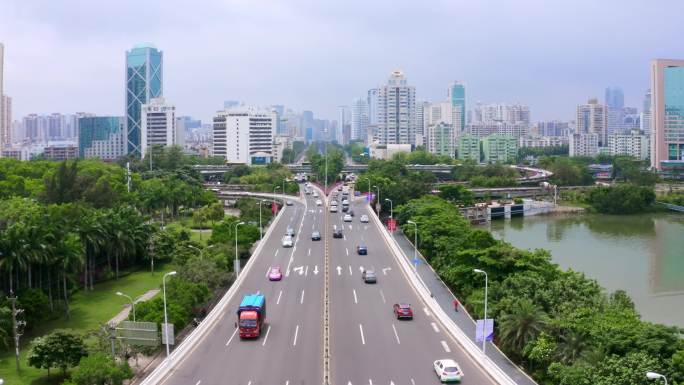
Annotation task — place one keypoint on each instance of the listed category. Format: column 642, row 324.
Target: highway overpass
column 356, row 340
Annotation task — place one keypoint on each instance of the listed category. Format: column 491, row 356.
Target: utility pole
column 128, row 176
column 15, row 325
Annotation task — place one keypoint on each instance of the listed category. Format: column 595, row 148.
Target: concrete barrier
column 468, row 345
column 160, row 372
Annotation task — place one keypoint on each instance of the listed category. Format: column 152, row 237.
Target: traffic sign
column 488, row 329
column 138, row 333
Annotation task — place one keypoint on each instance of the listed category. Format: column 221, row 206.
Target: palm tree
column 573, row 344
column 92, row 236
column 521, row 325
column 70, row 252
column 14, row 250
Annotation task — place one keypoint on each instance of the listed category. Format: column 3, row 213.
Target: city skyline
column 520, row 55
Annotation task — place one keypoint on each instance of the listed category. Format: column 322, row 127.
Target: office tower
column 645, row 117
column 56, row 126
column 35, row 127
column 500, row 149
column 420, row 122
column 396, row 111
column 157, row 125
column 583, row 144
column 667, row 114
column 144, row 81
column 592, row 118
column 553, row 128
column 372, row 101
column 439, row 139
column 245, row 135
column 101, row 137
column 457, row 98
column 614, row 102
column 502, row 112
column 280, row 112
column 359, row 119
column 343, row 119
column 308, row 125
column 5, row 106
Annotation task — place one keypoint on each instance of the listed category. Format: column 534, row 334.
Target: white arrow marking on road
column 355, row 299
column 360, row 269
column 385, row 270
column 413, row 382
column 350, row 270
column 315, row 270
column 391, row 382
column 299, row 269
column 198, row 382
column 446, row 347
column 370, row 382
column 339, row 270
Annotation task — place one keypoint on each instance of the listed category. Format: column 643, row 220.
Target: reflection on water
column 642, row 254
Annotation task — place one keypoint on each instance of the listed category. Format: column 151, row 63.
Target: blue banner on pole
column 370, row 197
column 486, row 327
column 416, row 261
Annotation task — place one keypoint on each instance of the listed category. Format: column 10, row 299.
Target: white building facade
column 245, row 135
column 592, row 118
column 158, row 125
column 635, row 145
column 397, row 111
column 583, row 144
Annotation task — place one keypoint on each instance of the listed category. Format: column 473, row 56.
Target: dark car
column 403, row 310
column 350, row 212
column 362, row 250
column 316, row 236
column 337, row 233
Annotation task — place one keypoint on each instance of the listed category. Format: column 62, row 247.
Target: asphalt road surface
column 368, row 345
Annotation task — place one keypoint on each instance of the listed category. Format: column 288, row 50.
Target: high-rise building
column 144, row 81
column 667, row 113
column 645, row 117
column 583, row 144
column 245, row 135
column 553, row 128
column 457, row 99
column 614, row 102
column 372, row 101
column 344, row 119
column 5, row 106
column 502, row 112
column 396, row 111
column 101, row 137
column 469, row 148
column 359, row 119
column 544, row 141
column 420, row 123
column 484, row 129
column 500, row 149
column 439, row 139
column 592, row 118
column 158, row 125
column 633, row 144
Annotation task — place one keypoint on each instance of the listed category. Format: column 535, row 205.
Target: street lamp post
column 261, row 229
column 274, row 190
column 656, row 376
column 201, row 251
column 369, row 192
column 378, row 198
column 391, row 208
column 166, row 318
column 237, row 262
column 130, row 299
column 484, row 339
column 415, row 245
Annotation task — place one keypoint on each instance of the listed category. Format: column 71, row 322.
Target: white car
column 347, row 218
column 287, row 241
column 333, row 209
column 448, row 370
column 315, row 194
column 319, row 202
column 364, row 218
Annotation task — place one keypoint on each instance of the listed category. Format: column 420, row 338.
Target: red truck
column 251, row 315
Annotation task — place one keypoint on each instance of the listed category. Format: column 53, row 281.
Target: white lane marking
column 363, row 340
column 266, row 337
column 294, row 343
column 268, row 271
column 370, row 382
column 301, row 300
column 427, row 313
column 276, row 253
column 347, row 251
column 396, row 335
column 198, row 382
column 306, row 271
column 249, row 383
column 434, row 326
column 383, row 296
column 308, row 252
column 350, row 270
column 446, row 347
column 355, row 299
column 231, row 337
column 313, row 225
column 287, row 382
column 279, row 295
column 315, row 271
column 339, row 270
column 350, row 227
column 360, row 269
column 345, row 237
column 413, row 382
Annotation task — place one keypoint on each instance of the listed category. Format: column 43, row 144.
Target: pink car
column 275, row 274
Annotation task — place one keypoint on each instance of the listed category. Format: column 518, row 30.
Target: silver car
column 369, row 276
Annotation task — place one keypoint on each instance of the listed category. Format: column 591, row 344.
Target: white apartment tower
column 158, row 125
column 396, row 111
column 592, row 118
column 5, row 106
column 359, row 119
column 583, row 144
column 245, row 135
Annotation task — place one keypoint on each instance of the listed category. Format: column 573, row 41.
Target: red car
column 275, row 274
column 403, row 310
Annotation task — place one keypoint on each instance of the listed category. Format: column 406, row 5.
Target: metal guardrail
column 672, row 207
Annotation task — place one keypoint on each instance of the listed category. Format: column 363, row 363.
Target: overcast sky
column 68, row 55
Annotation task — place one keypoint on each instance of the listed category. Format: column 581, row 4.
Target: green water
column 641, row 254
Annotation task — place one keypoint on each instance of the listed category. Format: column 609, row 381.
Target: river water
column 641, row 254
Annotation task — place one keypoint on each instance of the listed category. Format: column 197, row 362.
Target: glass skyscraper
column 144, row 81
column 667, row 85
column 457, row 99
column 101, row 137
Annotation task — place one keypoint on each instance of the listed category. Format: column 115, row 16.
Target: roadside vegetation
column 72, row 235
column 562, row 327
column 268, row 178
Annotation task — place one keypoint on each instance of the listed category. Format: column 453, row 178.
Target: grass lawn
column 89, row 310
